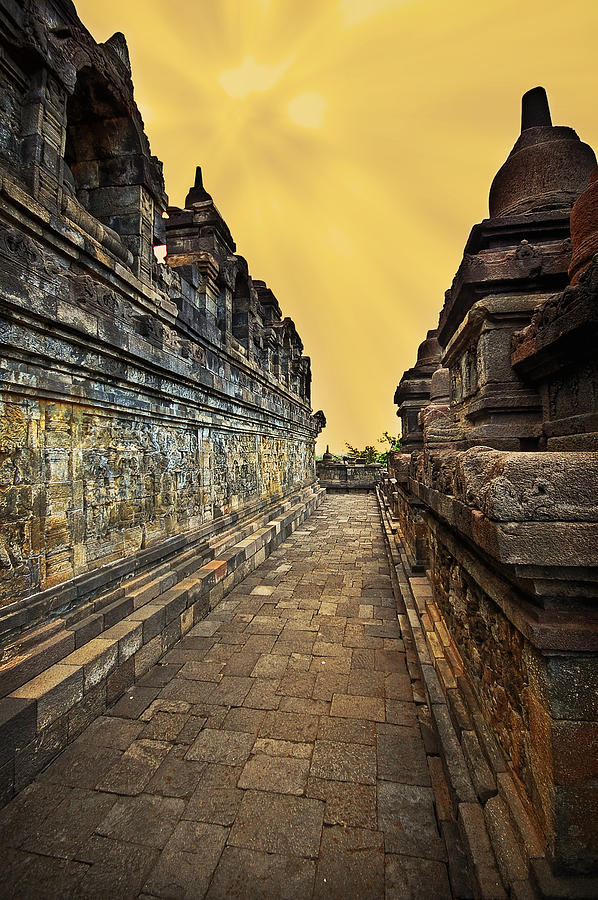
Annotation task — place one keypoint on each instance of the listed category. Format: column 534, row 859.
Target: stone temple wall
column 496, row 498
column 156, row 435
column 348, row 475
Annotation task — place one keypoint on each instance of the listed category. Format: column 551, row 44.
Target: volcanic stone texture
column 276, row 751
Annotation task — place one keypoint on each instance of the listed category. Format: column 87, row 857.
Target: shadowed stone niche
column 496, row 499
column 156, row 435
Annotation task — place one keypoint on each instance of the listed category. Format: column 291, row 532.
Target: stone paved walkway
column 276, row 752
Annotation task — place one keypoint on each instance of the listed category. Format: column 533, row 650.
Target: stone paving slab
column 275, row 752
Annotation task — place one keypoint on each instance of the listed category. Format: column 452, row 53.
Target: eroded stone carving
column 497, row 494
column 142, row 400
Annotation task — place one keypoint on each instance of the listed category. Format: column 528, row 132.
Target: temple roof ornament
column 198, row 193
column 548, row 167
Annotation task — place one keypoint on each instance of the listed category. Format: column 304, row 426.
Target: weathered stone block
column 87, row 629
column 148, row 655
column 33, row 758
column 18, row 726
column 129, row 636
column 186, row 620
column 171, row 634
column 117, row 611
column 174, row 602
column 97, row 658
column 120, row 680
column 27, row 665
column 152, row 619
column 56, row 691
column 84, row 713
column 519, row 487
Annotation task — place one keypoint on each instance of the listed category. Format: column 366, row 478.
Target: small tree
column 370, row 455
column 394, row 443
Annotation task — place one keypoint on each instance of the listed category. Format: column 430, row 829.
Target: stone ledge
column 497, row 819
column 513, row 486
column 69, row 238
column 466, row 807
column 563, row 328
column 126, row 575
column 52, row 707
column 338, row 487
column 546, row 629
column 531, row 543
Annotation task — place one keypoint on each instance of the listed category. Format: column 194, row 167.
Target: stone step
column 458, row 867
column 488, row 743
column 476, row 843
column 29, row 661
column 76, row 597
column 520, row 816
column 511, row 864
column 481, row 774
column 131, row 585
column 458, row 711
column 29, row 639
column 48, row 682
column 188, row 562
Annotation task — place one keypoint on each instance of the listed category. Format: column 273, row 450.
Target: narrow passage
column 275, row 752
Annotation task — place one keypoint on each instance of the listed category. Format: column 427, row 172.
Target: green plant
column 394, row 444
column 370, row 455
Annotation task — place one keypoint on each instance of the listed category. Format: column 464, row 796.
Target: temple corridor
column 281, row 749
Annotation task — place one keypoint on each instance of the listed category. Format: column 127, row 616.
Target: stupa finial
column 198, row 193
column 535, row 110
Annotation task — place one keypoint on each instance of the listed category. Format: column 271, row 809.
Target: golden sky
column 350, row 145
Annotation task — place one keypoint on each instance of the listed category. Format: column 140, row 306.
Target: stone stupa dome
column 548, row 167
